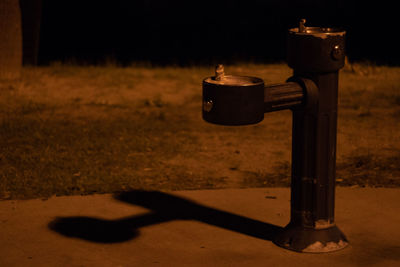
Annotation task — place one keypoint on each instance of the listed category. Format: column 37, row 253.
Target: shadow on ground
column 164, row 207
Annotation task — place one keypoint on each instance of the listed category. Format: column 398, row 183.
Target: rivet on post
column 337, row 52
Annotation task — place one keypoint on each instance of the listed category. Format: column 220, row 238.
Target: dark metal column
column 316, row 54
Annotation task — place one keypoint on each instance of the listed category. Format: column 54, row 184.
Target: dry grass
column 78, row 130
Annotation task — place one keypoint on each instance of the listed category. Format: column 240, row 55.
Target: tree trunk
column 10, row 40
column 31, row 12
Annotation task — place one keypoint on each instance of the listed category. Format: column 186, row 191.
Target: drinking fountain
column 315, row 54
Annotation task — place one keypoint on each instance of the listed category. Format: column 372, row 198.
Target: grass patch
column 42, row 157
column 80, row 130
column 278, row 177
column 369, row 170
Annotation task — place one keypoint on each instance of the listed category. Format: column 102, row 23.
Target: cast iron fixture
column 315, row 54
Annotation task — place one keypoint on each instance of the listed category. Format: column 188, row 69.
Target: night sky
column 205, row 32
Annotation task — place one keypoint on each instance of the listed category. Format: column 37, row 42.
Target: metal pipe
column 282, row 96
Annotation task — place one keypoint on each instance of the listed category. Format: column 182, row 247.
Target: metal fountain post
column 315, row 54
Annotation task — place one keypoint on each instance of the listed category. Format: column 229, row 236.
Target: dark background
column 206, row 32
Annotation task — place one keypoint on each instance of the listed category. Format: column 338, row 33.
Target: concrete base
column 232, row 227
column 311, row 240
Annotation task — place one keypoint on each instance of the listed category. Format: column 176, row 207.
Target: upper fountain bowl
column 318, row 31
